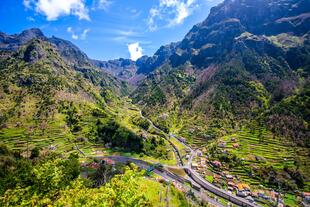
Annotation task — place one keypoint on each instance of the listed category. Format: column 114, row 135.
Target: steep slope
column 244, row 73
column 50, row 101
column 124, row 69
column 239, row 70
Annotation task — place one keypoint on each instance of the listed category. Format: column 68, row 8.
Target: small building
column 199, row 153
column 187, row 150
column 203, row 162
column 236, row 145
column 232, row 139
column 52, row 147
column 254, row 194
column 274, row 195
column 306, row 197
column 243, row 187
column 216, row 177
column 195, row 165
column 229, row 177
column 108, row 161
column 222, row 144
column 187, row 157
column 242, row 194
column 217, row 164
column 231, row 184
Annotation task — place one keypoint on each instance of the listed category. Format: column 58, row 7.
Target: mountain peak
column 13, row 42
column 32, row 33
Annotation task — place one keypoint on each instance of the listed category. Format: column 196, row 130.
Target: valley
column 220, row 118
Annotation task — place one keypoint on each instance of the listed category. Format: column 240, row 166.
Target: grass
column 272, row 151
column 179, row 172
column 157, row 193
column 209, row 178
column 290, row 200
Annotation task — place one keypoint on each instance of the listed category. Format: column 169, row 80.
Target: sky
column 107, row 29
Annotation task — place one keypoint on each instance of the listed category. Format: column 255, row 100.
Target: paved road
column 197, row 178
column 166, row 175
column 175, row 149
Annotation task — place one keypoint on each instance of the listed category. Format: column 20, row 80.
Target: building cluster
column 215, row 169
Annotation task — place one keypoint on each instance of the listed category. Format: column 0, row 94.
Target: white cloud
column 27, row 4
column 135, row 51
column 53, row 9
column 75, row 36
column 101, row 4
column 84, row 34
column 69, row 29
column 169, row 13
column 153, row 14
column 31, row 19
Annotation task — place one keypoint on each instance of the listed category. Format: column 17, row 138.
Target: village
column 216, row 173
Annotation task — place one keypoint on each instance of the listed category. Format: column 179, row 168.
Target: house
column 243, row 187
column 199, row 153
column 187, row 157
column 195, row 165
column 274, row 195
column 108, row 161
column 232, row 139
column 187, row 150
column 222, row 144
column 216, row 177
column 217, row 164
column 203, row 162
column 231, row 184
column 229, row 177
column 306, row 197
column 254, row 194
column 52, row 147
column 242, row 193
column 236, row 145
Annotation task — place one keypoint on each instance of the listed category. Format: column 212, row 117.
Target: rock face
column 13, row 42
column 71, row 53
column 246, row 60
column 121, row 68
column 208, row 41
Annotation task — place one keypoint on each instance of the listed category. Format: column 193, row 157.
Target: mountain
column 227, row 65
column 124, row 69
column 243, row 73
column 13, row 42
column 52, row 96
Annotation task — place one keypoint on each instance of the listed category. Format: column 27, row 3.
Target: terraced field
column 259, row 147
column 56, row 133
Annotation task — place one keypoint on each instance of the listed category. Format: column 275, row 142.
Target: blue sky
column 107, row 29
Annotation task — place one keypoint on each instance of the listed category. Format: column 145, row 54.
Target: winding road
column 196, row 177
column 193, row 177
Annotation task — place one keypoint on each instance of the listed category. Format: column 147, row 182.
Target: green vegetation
column 261, row 158
column 54, row 180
